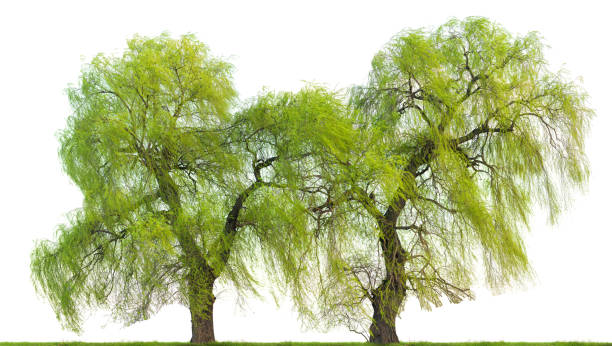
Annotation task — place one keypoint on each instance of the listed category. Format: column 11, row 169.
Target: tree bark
column 202, row 327
column 388, row 297
column 387, row 300
column 201, row 280
column 382, row 329
column 201, row 301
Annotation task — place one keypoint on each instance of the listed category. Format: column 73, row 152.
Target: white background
column 280, row 44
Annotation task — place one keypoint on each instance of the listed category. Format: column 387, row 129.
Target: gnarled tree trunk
column 386, row 303
column 388, row 297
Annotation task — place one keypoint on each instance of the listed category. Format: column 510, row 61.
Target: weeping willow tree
column 144, row 146
column 178, row 192
column 464, row 130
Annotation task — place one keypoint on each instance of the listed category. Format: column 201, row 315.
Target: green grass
column 485, row 343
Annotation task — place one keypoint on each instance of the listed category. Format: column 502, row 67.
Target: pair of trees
column 358, row 204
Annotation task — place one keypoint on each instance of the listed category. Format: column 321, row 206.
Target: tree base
column 382, row 333
column 202, row 329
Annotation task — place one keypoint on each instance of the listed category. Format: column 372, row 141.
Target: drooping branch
column 484, row 128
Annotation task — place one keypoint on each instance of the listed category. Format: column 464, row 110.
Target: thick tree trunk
column 381, row 331
column 201, row 302
column 386, row 303
column 201, row 277
column 202, row 327
column 388, row 297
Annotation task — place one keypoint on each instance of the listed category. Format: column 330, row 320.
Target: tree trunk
column 202, row 327
column 201, row 301
column 386, row 302
column 381, row 331
column 201, row 277
column 388, row 297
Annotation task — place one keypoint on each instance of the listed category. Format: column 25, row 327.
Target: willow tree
column 168, row 175
column 464, row 131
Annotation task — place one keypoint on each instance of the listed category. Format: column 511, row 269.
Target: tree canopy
column 465, row 131
column 402, row 188
column 141, row 145
column 180, row 189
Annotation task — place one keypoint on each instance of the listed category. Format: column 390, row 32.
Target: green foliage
column 304, row 133
column 178, row 191
column 465, row 131
column 429, row 172
column 142, row 142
